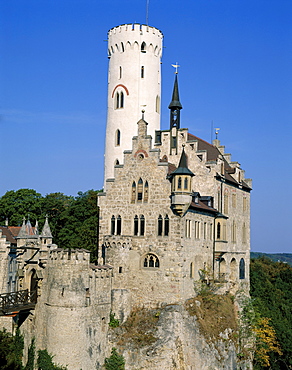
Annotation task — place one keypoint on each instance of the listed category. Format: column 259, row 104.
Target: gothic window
column 222, row 268
column 160, row 220
column 122, row 100
column 218, row 230
column 151, row 260
column 117, row 100
column 166, row 225
column 242, row 269
column 146, row 191
column 142, row 72
column 233, row 269
column 118, row 137
column 119, row 225
column 136, row 225
column 113, row 224
column 143, row 47
column 142, row 225
column 179, row 183
column 140, row 190
column 133, row 195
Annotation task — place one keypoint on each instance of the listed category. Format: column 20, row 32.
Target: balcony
column 12, row 303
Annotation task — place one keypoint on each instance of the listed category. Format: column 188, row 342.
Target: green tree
column 15, row 205
column 45, row 361
column 11, row 350
column 115, row 361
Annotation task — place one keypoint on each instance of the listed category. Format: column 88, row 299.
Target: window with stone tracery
column 151, row 260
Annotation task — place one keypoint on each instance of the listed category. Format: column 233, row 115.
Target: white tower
column 134, row 84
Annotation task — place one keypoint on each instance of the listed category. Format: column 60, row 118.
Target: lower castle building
column 174, row 210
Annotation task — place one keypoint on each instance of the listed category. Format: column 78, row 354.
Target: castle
column 175, row 209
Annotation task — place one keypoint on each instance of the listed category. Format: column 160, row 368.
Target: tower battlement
column 67, row 255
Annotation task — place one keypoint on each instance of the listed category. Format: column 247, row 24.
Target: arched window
column 143, row 47
column 218, row 230
column 119, row 225
column 222, row 268
column 136, row 225
column 186, row 183
column 151, row 260
column 160, row 220
column 122, row 100
column 133, row 194
column 242, row 269
column 118, row 137
column 117, row 100
column 140, row 190
column 146, row 191
column 179, row 183
column 142, row 225
column 142, row 72
column 117, row 162
column 233, row 269
column 121, row 72
column 113, row 224
column 166, row 225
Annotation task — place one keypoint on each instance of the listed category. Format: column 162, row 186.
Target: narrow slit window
column 113, row 224
column 136, row 225
column 142, row 72
column 143, row 47
column 146, row 188
column 122, row 100
column 160, row 225
column 117, row 100
column 133, row 195
column 121, row 72
column 118, row 137
column 166, row 225
column 218, row 230
column 119, row 225
column 142, row 225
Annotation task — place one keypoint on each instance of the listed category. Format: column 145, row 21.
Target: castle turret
column 181, row 195
column 134, row 84
column 175, row 107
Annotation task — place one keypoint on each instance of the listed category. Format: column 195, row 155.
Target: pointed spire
column 36, row 228
column 22, row 231
column 183, row 166
column 175, row 103
column 46, row 229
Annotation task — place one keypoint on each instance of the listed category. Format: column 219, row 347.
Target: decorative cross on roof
column 176, row 67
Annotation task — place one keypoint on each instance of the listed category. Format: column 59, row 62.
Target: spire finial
column 176, row 67
column 143, row 111
column 217, row 132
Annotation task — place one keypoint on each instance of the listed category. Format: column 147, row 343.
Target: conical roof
column 175, row 103
column 46, row 229
column 183, row 167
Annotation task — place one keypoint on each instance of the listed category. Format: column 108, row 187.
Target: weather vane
column 176, row 67
column 217, row 132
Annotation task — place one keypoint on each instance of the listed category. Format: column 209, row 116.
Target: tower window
column 142, row 72
column 118, row 137
column 143, row 47
column 122, row 100
column 157, row 104
column 121, row 72
column 186, row 183
column 117, row 100
column 179, row 183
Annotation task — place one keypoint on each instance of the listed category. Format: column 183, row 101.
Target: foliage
column 113, row 323
column 272, row 298
column 31, row 356
column 11, row 349
column 115, row 361
column 45, row 361
column 73, row 220
column 276, row 257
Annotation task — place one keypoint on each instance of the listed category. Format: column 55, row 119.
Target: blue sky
column 235, row 58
